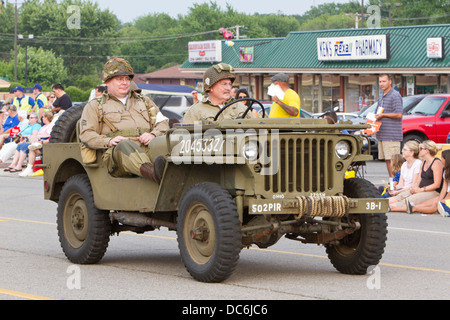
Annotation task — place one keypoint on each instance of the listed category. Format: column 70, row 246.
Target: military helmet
column 216, row 73
column 117, row 67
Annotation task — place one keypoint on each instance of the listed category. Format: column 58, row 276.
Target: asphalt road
column 415, row 265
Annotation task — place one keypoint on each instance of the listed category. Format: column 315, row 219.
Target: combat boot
column 148, row 171
column 159, row 166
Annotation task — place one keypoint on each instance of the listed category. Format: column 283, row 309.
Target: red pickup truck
column 428, row 120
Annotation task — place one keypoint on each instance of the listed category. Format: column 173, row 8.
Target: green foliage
column 77, row 94
column 83, row 48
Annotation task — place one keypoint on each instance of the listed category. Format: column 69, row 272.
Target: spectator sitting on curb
column 434, row 205
column 22, row 149
column 10, row 122
column 27, row 127
column 409, row 173
column 430, row 180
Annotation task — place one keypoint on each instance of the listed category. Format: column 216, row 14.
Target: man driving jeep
column 217, row 81
column 122, row 122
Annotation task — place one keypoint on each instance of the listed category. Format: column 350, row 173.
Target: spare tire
column 65, row 128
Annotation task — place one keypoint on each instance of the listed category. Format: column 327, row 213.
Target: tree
column 42, row 67
column 6, row 30
column 326, row 22
column 75, row 30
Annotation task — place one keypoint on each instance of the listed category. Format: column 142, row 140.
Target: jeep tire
column 83, row 229
column 64, row 129
column 363, row 248
column 209, row 232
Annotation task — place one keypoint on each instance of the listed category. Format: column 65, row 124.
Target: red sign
column 14, row 132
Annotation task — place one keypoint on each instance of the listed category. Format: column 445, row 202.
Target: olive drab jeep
column 224, row 186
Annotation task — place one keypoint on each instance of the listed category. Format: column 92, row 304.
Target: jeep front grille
column 304, row 165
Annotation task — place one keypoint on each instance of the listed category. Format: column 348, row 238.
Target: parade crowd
column 27, row 122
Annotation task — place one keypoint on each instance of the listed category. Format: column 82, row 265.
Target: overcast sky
column 127, row 11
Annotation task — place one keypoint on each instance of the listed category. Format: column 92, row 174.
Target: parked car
column 346, row 115
column 428, row 120
column 340, row 115
column 173, row 106
column 409, row 102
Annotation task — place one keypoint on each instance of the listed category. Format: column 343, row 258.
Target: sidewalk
column 16, row 174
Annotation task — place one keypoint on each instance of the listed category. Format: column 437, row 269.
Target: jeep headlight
column 251, row 150
column 342, row 149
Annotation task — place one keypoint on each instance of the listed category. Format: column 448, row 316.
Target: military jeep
column 224, row 186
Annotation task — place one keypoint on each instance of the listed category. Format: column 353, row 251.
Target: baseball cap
column 18, row 88
column 282, row 77
column 37, row 86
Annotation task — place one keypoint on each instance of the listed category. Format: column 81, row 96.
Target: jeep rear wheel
column 83, row 230
column 363, row 248
column 209, row 232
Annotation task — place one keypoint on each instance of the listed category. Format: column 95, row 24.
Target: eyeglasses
column 242, row 97
column 122, row 78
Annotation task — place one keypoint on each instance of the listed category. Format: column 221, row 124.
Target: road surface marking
column 23, row 295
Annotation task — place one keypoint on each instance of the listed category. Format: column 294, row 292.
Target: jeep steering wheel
column 246, row 111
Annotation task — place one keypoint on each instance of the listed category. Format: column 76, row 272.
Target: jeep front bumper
column 319, row 206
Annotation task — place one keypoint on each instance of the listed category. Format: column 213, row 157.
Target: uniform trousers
column 126, row 158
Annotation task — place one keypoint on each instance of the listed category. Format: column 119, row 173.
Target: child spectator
column 397, row 161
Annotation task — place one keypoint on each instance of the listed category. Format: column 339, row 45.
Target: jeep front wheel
column 83, row 229
column 363, row 248
column 209, row 232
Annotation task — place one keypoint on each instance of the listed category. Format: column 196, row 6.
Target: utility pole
column 15, row 42
column 362, row 14
column 237, row 27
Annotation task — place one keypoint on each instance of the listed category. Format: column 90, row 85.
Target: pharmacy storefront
column 341, row 67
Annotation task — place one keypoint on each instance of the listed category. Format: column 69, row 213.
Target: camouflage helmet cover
column 117, row 67
column 216, row 73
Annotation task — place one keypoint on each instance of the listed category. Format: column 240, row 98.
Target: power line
column 445, row 15
column 101, row 41
column 126, row 56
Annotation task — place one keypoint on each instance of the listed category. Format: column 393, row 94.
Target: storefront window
column 368, row 93
column 444, row 84
column 330, row 92
column 426, row 84
column 352, row 94
column 306, row 92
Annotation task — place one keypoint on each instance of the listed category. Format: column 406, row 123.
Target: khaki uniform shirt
column 205, row 110
column 132, row 116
